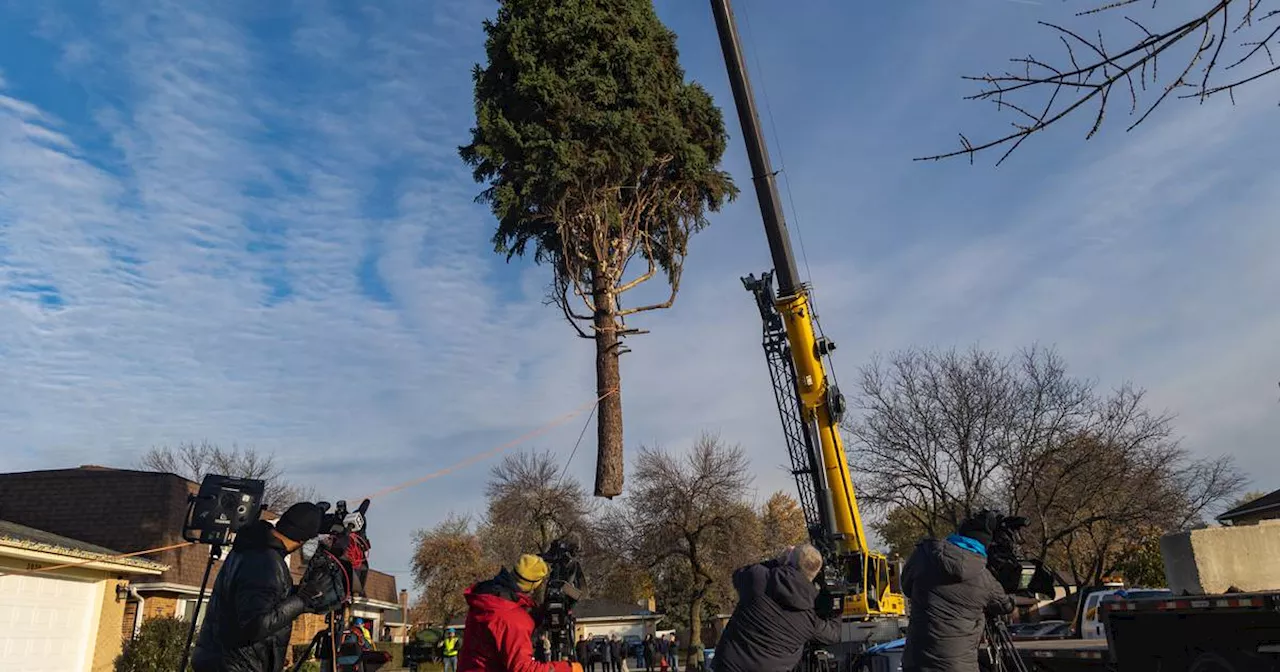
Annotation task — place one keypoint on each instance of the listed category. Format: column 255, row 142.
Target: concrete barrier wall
column 1211, row 560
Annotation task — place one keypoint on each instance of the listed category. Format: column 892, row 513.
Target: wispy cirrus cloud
column 250, row 225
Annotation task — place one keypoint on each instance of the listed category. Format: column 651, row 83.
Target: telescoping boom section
column 809, row 402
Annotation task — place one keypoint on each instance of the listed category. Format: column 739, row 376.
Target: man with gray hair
column 774, row 618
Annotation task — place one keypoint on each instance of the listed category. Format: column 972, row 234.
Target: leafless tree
column 613, row 566
column 192, row 461
column 936, row 427
column 691, row 523
column 446, row 560
column 943, row 434
column 1095, row 502
column 530, row 505
column 1221, row 46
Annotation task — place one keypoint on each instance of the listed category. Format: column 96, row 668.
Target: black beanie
column 301, row 522
column 980, row 526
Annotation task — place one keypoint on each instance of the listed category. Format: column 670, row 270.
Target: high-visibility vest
column 450, row 645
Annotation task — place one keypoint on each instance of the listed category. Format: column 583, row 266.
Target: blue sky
column 247, row 223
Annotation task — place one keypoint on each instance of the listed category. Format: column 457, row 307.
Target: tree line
column 686, row 523
column 933, row 435
column 1100, row 475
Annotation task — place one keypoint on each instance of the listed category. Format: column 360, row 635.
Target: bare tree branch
column 193, row 461
column 1093, row 79
column 943, row 434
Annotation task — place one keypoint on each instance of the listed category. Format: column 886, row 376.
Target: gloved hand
column 320, row 590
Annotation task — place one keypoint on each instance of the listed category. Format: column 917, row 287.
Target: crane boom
column 810, row 405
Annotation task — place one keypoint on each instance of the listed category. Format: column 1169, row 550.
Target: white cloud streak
column 242, row 165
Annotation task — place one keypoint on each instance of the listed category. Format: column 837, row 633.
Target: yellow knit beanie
column 530, row 572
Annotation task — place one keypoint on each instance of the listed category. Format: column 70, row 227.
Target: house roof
column 1264, row 504
column 31, row 539
column 382, row 587
column 610, row 609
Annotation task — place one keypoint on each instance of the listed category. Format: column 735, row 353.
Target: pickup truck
column 1235, row 632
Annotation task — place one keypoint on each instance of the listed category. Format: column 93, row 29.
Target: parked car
column 1091, row 625
column 634, row 646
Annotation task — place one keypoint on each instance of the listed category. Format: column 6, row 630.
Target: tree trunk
column 694, row 643
column 610, row 461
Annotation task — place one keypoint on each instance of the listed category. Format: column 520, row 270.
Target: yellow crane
column 864, row 582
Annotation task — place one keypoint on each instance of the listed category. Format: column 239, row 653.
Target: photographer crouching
column 775, row 616
column 254, row 603
column 952, row 593
column 500, row 621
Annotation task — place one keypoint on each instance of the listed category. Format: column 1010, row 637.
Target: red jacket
column 499, row 632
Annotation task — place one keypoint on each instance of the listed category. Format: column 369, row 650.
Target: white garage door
column 44, row 623
column 605, row 629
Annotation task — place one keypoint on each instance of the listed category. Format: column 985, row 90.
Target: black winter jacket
column 950, row 590
column 251, row 610
column 773, row 621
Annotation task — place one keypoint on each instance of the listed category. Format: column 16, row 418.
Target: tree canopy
column 447, row 559
column 596, row 153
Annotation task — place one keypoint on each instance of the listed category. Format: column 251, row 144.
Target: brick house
column 62, row 600
column 131, row 511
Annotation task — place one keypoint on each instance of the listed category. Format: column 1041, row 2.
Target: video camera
column 563, row 589
column 342, row 548
column 1017, row 574
column 833, row 588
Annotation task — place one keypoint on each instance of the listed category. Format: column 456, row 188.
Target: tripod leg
column 306, row 655
column 214, row 554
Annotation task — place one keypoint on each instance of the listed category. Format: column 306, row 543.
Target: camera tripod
column 325, row 638
column 1004, row 656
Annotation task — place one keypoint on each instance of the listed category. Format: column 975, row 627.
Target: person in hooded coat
column 951, row 593
column 775, row 618
column 499, row 626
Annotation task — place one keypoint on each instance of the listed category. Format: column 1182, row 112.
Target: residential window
column 187, row 608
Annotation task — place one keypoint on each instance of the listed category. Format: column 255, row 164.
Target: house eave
column 629, row 617
column 1244, row 513
column 378, row 604
column 76, row 562
column 168, row 587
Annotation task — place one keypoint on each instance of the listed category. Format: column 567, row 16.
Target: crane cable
column 592, row 405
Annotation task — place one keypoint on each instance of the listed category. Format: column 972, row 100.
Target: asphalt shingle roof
column 29, row 538
column 609, row 609
column 1264, row 503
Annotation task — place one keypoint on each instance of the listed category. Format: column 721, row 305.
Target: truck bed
column 1236, row 631
column 1064, row 655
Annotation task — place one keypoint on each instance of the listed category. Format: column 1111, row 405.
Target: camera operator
column 951, row 592
column 775, row 615
column 253, row 603
column 499, row 626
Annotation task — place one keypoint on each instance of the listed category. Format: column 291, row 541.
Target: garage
column 604, row 618
column 61, row 601
column 45, row 622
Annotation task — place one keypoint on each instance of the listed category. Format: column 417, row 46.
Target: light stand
column 215, row 554
column 215, row 513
